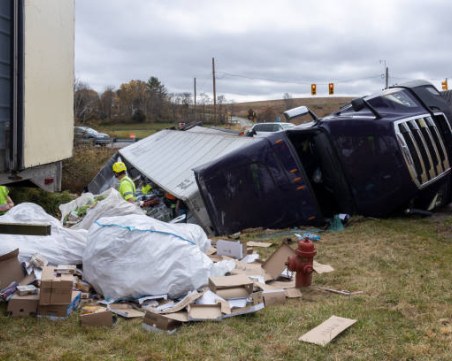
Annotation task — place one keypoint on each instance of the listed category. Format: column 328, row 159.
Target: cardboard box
column 60, row 311
column 39, row 261
column 234, row 249
column 23, row 305
column 205, row 312
column 167, row 322
column 256, row 304
column 276, row 263
column 272, row 295
column 11, row 269
column 25, row 290
column 56, row 288
column 126, row 310
column 227, row 287
column 82, row 286
column 190, row 298
column 250, row 269
column 99, row 317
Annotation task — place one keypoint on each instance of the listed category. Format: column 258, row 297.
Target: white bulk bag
column 135, row 255
column 62, row 246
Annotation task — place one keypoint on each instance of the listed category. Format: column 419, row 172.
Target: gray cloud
column 262, row 49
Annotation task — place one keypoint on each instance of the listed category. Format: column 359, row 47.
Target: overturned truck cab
column 381, row 155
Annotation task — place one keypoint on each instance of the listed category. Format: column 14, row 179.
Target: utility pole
column 194, row 98
column 214, row 92
column 386, row 74
column 386, row 77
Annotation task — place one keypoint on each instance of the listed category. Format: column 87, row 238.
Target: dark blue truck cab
column 378, row 156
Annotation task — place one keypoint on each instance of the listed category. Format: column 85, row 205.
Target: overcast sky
column 263, row 48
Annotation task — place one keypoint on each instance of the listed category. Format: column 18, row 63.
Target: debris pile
column 118, row 262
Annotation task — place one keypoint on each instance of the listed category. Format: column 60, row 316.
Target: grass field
column 140, row 130
column 402, row 265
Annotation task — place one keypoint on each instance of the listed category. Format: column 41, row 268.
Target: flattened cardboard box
column 276, row 263
column 23, row 305
column 60, row 311
column 56, row 288
column 10, row 268
column 327, row 330
column 227, row 287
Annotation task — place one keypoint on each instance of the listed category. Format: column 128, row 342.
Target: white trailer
column 36, row 90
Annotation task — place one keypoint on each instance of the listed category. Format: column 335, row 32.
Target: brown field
column 321, row 106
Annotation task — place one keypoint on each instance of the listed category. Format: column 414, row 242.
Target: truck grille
column 423, row 140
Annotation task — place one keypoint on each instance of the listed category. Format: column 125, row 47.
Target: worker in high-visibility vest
column 126, row 185
column 6, row 203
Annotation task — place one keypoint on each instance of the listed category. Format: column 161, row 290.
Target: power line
column 225, row 74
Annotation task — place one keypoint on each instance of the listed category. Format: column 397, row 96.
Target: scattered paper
column 238, row 302
column 342, row 292
column 250, row 258
column 327, row 331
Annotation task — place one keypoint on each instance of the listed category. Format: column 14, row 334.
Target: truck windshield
column 398, row 100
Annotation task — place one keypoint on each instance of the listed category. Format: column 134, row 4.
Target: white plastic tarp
column 62, row 246
column 135, row 255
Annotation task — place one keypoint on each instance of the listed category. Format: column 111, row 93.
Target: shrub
column 86, row 161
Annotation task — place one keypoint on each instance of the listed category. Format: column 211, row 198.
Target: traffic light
column 331, row 88
column 313, row 89
column 444, row 84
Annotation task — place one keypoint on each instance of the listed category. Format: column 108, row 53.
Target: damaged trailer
column 167, row 158
column 380, row 155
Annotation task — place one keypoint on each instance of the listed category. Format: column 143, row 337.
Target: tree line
column 146, row 101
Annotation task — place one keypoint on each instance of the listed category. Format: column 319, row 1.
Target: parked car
column 264, row 129
column 87, row 135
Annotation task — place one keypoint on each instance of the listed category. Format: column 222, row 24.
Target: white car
column 264, row 129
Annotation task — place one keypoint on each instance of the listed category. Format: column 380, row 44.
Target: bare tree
column 86, row 102
column 108, row 103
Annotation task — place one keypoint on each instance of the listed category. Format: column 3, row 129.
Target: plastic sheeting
column 135, row 255
column 112, row 205
column 62, row 246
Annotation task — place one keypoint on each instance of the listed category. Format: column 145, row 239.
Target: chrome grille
column 423, row 142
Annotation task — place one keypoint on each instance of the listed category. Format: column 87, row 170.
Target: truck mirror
column 298, row 112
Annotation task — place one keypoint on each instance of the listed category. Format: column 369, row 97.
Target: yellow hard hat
column 119, row 167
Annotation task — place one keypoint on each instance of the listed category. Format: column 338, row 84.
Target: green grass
column 402, row 265
column 141, row 130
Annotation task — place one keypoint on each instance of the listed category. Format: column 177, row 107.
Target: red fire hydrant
column 302, row 263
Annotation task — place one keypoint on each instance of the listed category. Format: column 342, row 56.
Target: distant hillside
column 268, row 110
